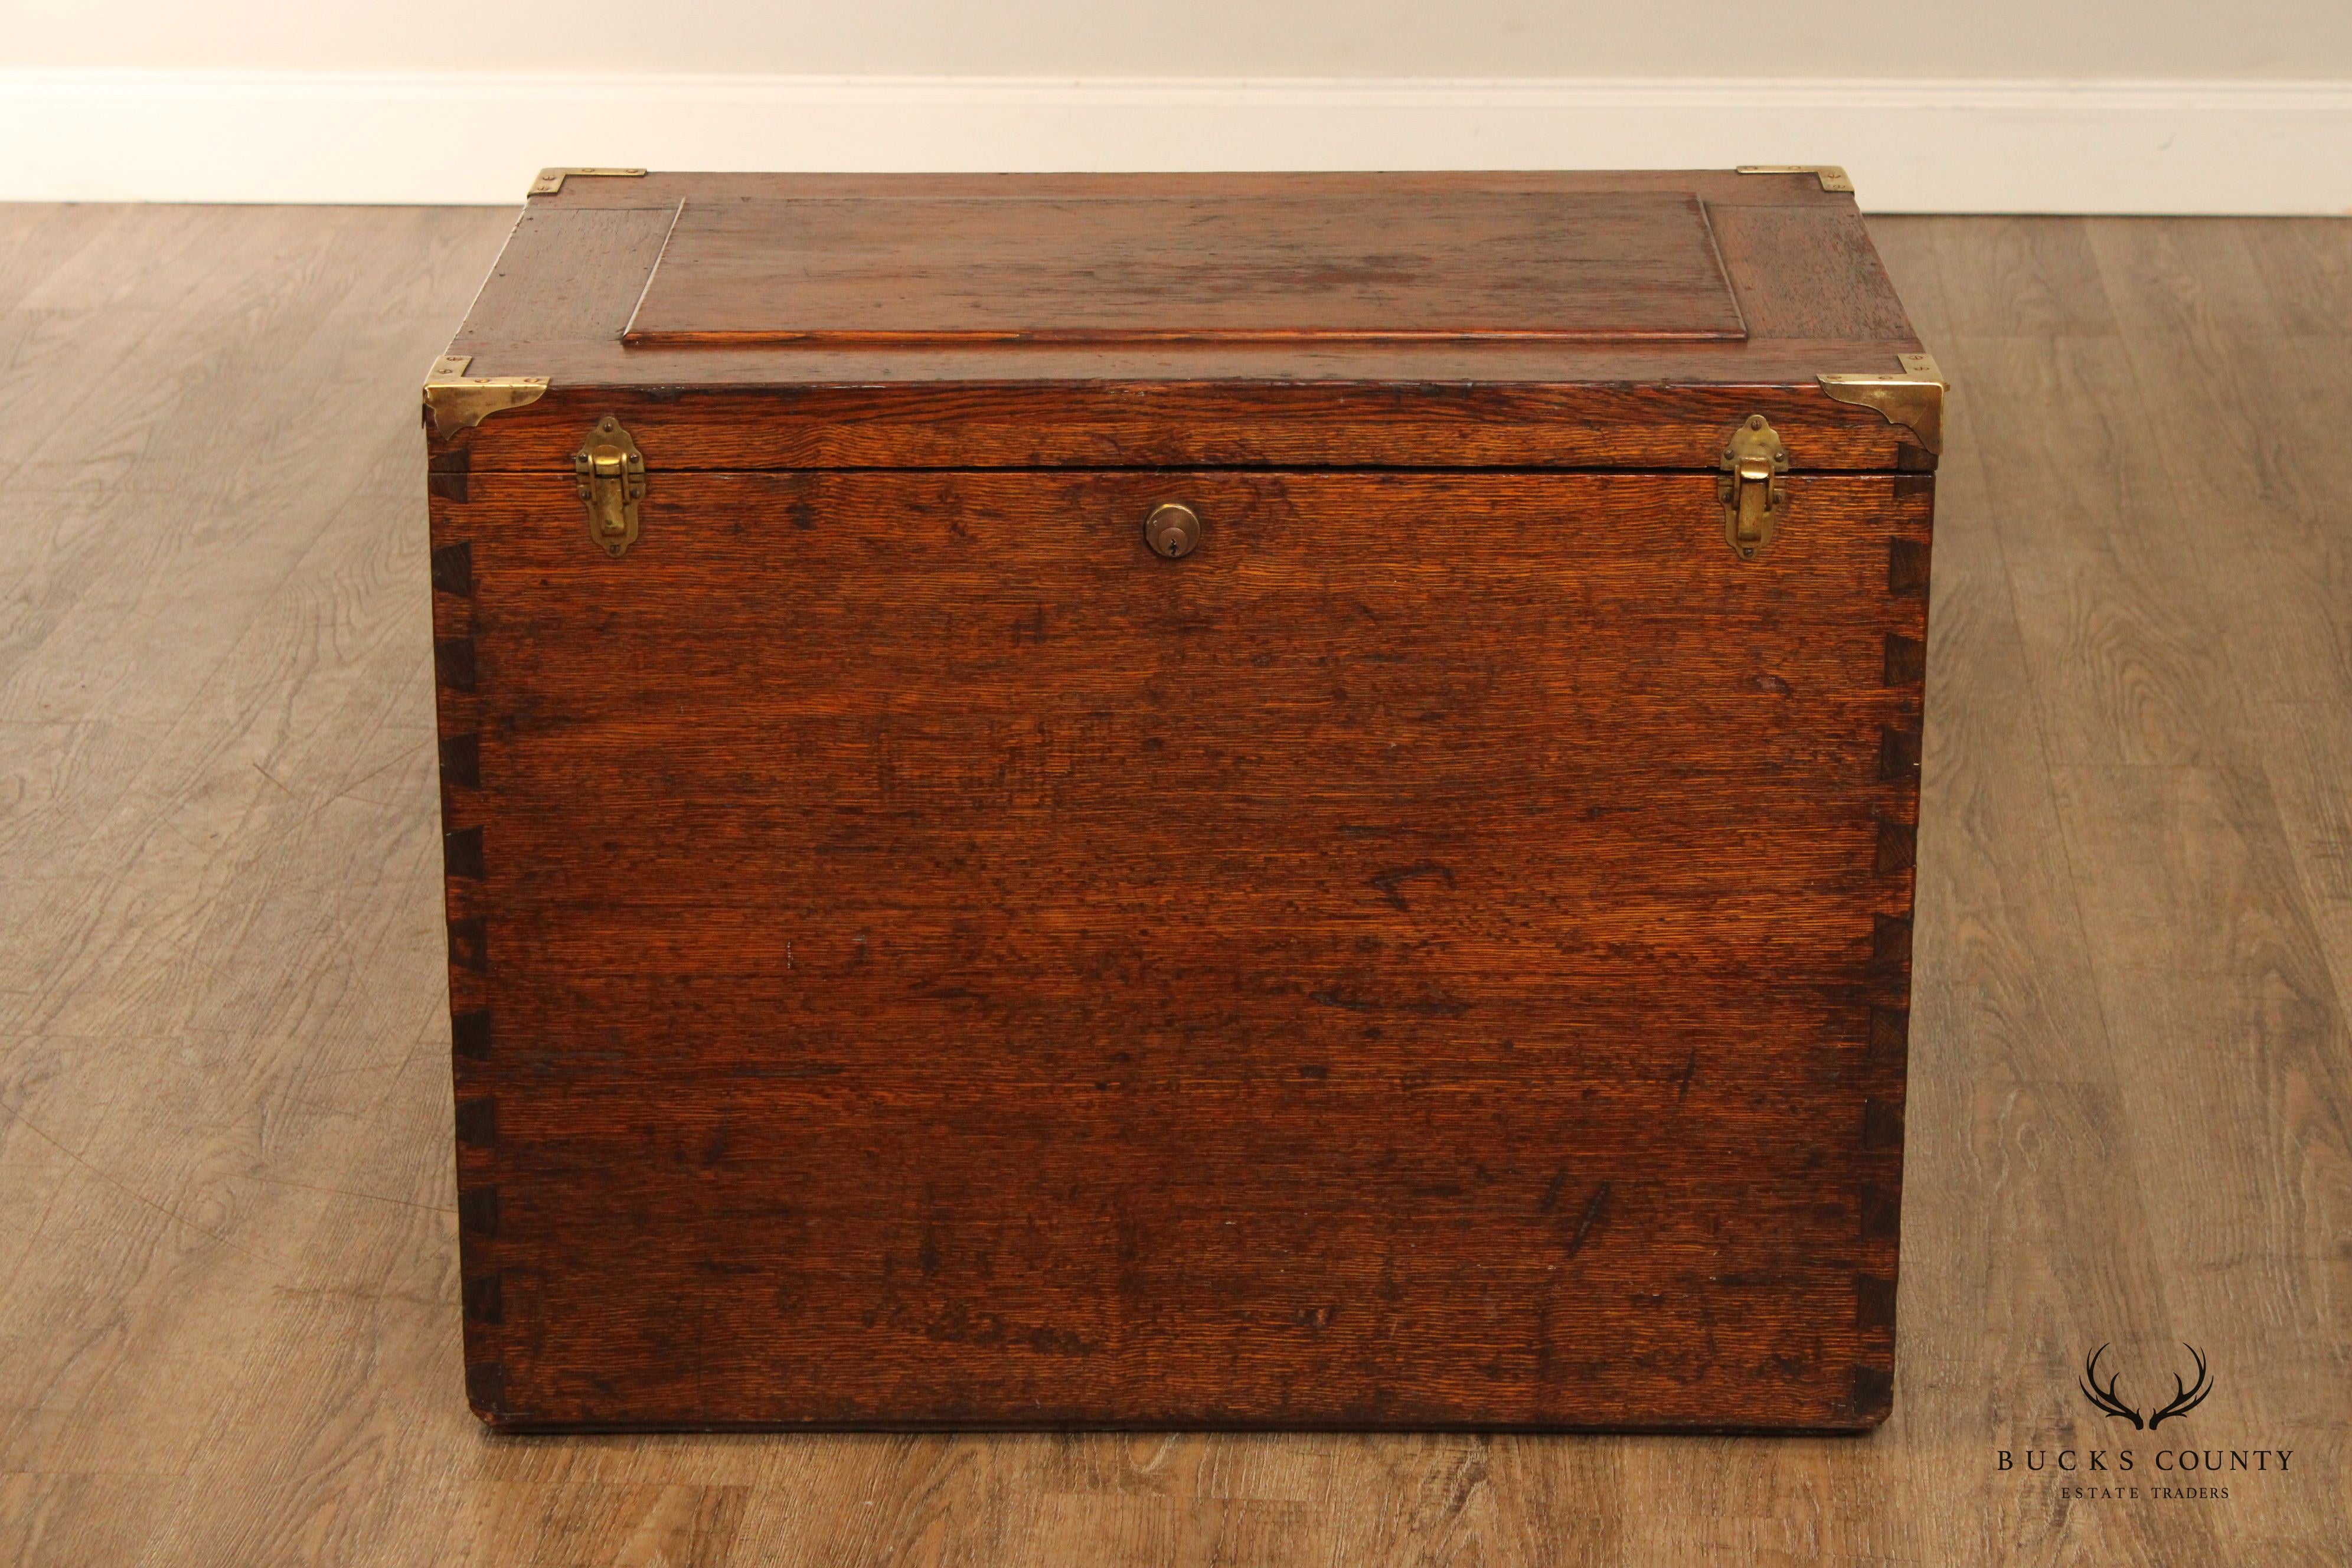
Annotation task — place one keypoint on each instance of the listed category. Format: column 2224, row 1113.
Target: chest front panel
column 1434, row 954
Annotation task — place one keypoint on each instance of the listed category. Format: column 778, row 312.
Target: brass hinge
column 611, row 475
column 1831, row 177
column 551, row 180
column 1912, row 399
column 456, row 400
column 1750, row 490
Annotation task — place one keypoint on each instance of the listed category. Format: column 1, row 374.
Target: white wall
column 1994, row 104
column 2263, row 40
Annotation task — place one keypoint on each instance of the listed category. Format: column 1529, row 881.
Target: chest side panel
column 1437, row 955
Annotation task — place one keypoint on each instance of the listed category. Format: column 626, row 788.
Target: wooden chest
column 1182, row 801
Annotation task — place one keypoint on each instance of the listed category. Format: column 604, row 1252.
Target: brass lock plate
column 1173, row 529
column 611, row 475
column 1751, row 490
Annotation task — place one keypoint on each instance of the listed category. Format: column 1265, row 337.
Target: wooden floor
column 228, row 1296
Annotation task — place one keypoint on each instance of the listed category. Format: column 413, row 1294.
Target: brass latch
column 1750, row 488
column 611, row 474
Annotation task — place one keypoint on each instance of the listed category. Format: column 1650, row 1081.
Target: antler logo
column 2185, row 1397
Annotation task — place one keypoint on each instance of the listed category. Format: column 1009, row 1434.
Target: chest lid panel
column 1232, row 265
column 1626, row 319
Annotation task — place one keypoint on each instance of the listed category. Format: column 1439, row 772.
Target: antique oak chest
column 1182, row 801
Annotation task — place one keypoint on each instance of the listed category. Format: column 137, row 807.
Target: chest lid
column 1117, row 267
column 1629, row 319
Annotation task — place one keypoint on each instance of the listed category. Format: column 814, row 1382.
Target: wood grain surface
column 1435, row 955
column 1122, row 267
column 229, row 1305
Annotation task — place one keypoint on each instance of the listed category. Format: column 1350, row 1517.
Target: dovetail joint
column 461, row 762
column 1898, row 848
column 478, row 1121
column 1898, row 755
column 485, row 1298
column 1882, row 1124
column 1881, row 1213
column 1905, row 661
column 486, row 1388
column 1890, row 943
column 469, row 945
column 453, row 570
column 469, row 1032
column 1874, row 1302
column 453, row 663
column 478, row 1211
column 1873, row 1391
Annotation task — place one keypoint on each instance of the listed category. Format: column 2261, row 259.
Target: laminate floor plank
column 2308, row 268
column 227, row 1084
column 2236, row 1006
column 38, row 239
column 914, row 1498
column 315, row 1454
column 2242, row 1061
column 80, row 1520
column 2121, row 633
column 110, row 344
column 182, row 515
column 2268, row 406
column 2306, row 759
column 2247, row 411
column 173, row 1216
column 228, row 1302
column 2025, row 278
column 520, row 1526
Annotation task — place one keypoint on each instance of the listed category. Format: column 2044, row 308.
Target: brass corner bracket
column 456, row 401
column 551, row 180
column 1914, row 399
column 1831, row 177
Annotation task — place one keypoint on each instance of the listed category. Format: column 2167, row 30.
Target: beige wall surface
column 2264, row 40
column 2012, row 106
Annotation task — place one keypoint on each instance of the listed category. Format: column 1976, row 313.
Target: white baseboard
column 2217, row 147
